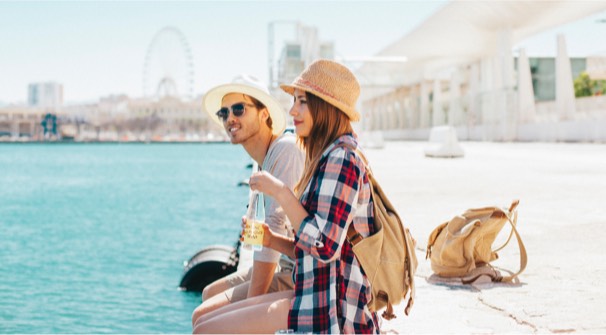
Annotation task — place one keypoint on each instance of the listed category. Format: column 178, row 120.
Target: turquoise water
column 93, row 236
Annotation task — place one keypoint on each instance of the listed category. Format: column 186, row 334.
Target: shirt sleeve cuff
column 309, row 236
column 267, row 255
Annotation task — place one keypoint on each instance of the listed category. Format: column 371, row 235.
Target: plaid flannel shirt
column 331, row 290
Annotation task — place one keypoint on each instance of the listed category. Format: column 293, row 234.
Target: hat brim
column 213, row 98
column 351, row 113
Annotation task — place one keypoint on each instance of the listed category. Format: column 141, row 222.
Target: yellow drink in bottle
column 253, row 233
column 255, row 217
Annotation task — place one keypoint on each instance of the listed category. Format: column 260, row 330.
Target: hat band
column 319, row 89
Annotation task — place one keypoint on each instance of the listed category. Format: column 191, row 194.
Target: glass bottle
column 255, row 217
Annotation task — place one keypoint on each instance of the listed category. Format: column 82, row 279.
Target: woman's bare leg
column 219, row 300
column 262, row 314
column 261, row 299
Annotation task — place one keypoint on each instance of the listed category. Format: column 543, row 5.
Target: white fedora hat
column 251, row 86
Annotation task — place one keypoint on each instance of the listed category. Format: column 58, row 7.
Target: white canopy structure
column 460, row 70
column 465, row 31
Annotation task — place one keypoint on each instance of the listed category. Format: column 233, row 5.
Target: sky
column 96, row 49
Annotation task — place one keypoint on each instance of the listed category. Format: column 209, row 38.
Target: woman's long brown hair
column 329, row 123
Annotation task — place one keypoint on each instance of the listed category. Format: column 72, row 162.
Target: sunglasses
column 237, row 109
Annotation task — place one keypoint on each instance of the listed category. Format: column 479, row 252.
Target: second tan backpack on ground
column 462, row 247
column 387, row 257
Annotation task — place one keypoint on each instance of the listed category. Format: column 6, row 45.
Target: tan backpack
column 462, row 247
column 387, row 257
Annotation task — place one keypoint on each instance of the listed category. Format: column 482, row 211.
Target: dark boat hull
column 208, row 265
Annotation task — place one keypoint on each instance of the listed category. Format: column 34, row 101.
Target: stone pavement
column 561, row 218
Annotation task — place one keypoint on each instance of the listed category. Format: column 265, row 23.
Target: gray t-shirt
column 284, row 160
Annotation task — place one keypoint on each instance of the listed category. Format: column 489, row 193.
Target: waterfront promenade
column 562, row 220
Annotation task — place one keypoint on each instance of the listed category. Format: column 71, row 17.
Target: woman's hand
column 273, row 187
column 264, row 182
column 267, row 235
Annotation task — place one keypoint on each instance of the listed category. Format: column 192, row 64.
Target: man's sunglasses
column 237, row 109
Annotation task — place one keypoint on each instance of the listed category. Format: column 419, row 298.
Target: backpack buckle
column 355, row 239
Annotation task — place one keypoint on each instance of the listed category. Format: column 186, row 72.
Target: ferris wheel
column 168, row 69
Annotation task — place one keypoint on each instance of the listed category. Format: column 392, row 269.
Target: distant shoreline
column 112, row 142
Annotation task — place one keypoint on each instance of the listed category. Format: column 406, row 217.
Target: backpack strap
column 352, row 235
column 487, row 270
column 523, row 255
column 513, row 206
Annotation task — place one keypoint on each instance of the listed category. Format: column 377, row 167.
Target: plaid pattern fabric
column 331, row 290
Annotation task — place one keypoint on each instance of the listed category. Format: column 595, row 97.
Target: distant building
column 543, row 72
column 45, row 95
column 296, row 53
column 120, row 118
column 167, row 112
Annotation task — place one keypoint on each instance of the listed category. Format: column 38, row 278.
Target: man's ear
column 265, row 114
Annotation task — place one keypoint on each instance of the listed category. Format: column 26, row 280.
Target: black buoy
column 208, row 265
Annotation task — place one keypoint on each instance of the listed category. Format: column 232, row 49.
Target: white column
column 564, row 85
column 371, row 122
column 366, row 115
column 383, row 113
column 486, row 88
column 506, row 59
column 392, row 118
column 424, row 106
column 407, row 105
column 416, row 108
column 454, row 107
column 505, row 95
column 473, row 95
column 526, row 104
column 438, row 113
column 400, row 98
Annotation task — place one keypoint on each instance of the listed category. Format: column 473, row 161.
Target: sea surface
column 93, row 236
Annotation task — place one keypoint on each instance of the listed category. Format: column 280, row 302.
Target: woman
column 331, row 291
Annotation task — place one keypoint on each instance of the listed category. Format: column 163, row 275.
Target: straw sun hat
column 250, row 86
column 332, row 82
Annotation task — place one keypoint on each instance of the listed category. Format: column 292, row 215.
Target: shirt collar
column 348, row 138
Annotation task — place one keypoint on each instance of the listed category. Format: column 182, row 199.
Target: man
column 253, row 118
